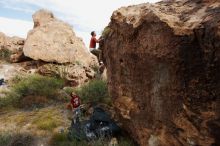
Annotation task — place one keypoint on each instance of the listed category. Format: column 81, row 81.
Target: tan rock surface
column 13, row 44
column 52, row 40
column 75, row 74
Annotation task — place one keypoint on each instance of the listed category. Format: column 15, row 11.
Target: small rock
column 113, row 142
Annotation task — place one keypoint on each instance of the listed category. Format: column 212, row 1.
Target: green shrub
column 125, row 142
column 32, row 87
column 16, row 139
column 60, row 139
column 94, row 91
column 68, row 90
column 38, row 85
column 5, row 139
column 5, row 54
column 5, row 102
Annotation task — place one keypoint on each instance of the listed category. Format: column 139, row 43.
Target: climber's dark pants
column 97, row 53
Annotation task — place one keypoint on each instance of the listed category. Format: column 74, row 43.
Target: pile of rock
column 11, row 43
column 53, row 42
column 14, row 45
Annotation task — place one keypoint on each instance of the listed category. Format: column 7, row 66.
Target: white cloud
column 14, row 27
column 91, row 14
column 84, row 15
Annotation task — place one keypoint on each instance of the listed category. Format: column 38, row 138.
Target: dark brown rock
column 163, row 71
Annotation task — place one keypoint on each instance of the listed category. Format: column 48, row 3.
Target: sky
column 83, row 15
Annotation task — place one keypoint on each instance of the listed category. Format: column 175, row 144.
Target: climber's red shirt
column 93, row 42
column 75, row 101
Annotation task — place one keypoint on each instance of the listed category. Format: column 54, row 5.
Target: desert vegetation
column 31, row 91
column 61, row 139
column 5, row 54
column 94, row 91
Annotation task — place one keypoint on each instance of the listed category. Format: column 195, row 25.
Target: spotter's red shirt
column 75, row 101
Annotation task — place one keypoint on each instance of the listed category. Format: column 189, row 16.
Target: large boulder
column 52, row 40
column 163, row 64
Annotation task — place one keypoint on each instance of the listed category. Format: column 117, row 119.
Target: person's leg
column 76, row 115
column 96, row 52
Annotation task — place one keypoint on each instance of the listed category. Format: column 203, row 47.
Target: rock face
column 75, row 74
column 52, row 40
column 163, row 64
column 13, row 44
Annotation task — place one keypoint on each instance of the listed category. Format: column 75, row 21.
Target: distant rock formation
column 52, row 40
column 163, row 64
column 14, row 45
column 54, row 48
column 11, row 43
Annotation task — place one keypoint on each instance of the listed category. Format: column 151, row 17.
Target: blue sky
column 84, row 15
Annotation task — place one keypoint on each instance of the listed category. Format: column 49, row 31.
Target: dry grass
column 7, row 139
column 47, row 121
column 42, row 121
column 60, row 139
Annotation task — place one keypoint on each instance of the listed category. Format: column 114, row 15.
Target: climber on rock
column 93, row 41
column 92, row 46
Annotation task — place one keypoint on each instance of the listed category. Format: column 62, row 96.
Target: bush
column 33, row 88
column 16, row 139
column 5, row 54
column 60, row 139
column 125, row 142
column 5, row 139
column 94, row 91
column 68, row 90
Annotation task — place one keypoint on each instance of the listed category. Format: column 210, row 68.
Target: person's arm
column 72, row 108
column 97, row 41
column 100, row 39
